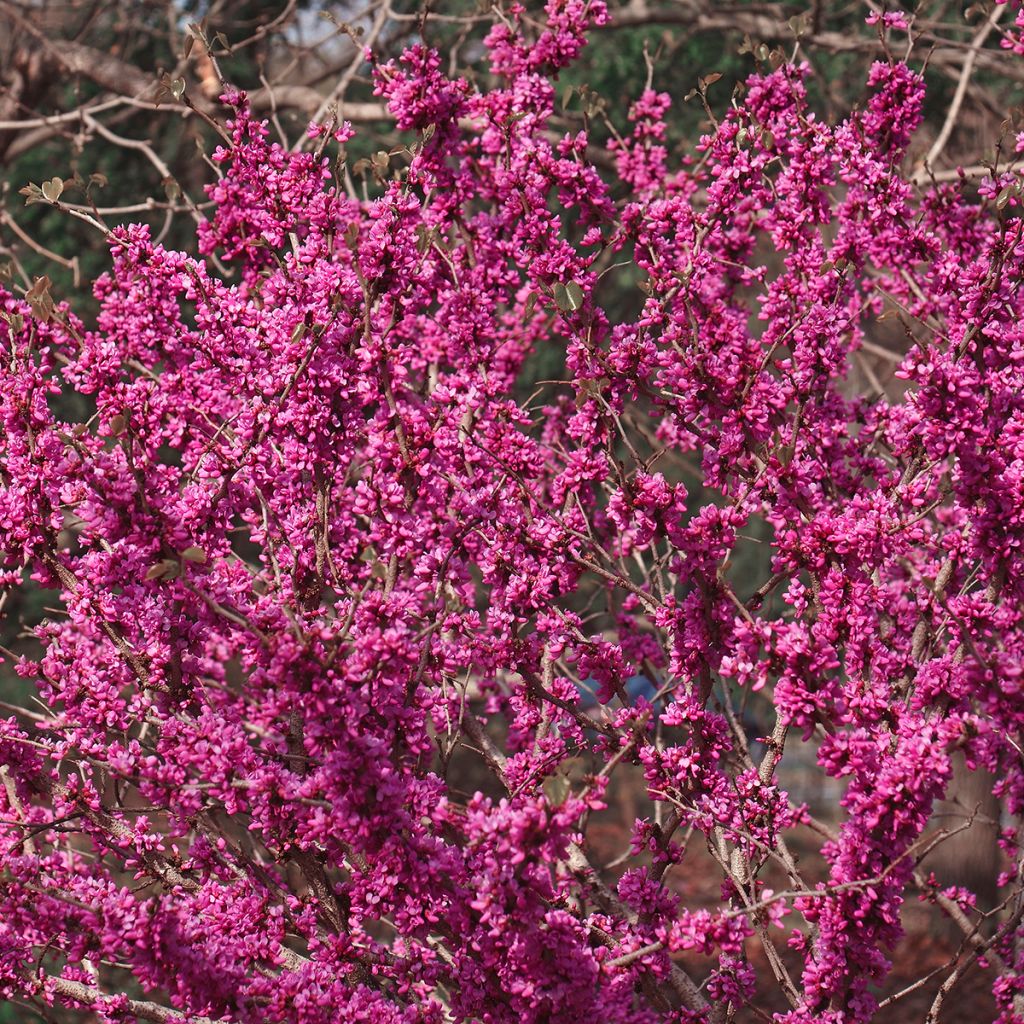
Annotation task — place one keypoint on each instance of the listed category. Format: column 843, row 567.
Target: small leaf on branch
column 594, row 386
column 166, row 568
column 52, row 189
column 556, row 789
column 568, row 297
column 39, row 298
column 194, row 554
column 32, row 193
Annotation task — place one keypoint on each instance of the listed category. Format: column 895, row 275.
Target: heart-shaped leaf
column 52, row 189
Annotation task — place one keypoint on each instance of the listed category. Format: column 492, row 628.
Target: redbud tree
column 323, row 530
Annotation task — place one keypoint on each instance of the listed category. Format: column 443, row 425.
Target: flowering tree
column 322, row 531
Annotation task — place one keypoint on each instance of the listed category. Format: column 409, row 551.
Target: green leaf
column 568, row 297
column 194, row 554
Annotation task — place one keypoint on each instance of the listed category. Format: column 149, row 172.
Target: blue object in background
column 636, row 686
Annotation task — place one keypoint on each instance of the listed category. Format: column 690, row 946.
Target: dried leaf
column 171, row 189
column 164, row 568
column 32, row 193
column 556, row 789
column 52, row 189
column 39, row 298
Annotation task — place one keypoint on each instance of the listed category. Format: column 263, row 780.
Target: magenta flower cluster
column 325, row 548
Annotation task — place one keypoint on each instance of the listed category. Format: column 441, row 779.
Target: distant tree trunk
column 970, row 856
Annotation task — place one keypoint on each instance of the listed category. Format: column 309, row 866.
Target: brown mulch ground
column 927, row 946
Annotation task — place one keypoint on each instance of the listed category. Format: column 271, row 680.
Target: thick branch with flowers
column 323, row 531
